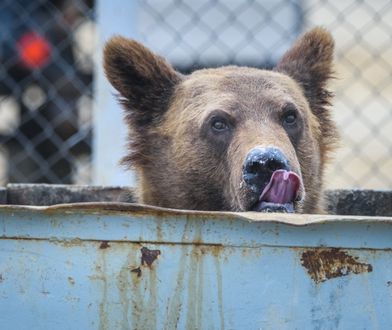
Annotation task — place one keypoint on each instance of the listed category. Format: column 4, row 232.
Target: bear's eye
column 289, row 118
column 219, row 124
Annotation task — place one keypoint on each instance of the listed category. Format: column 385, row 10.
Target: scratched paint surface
column 93, row 268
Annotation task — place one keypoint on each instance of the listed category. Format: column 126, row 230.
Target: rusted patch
column 149, row 256
column 104, row 245
column 138, row 271
column 324, row 264
column 147, row 259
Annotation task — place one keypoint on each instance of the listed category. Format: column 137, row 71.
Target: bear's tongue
column 282, row 188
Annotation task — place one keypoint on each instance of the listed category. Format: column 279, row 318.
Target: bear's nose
column 260, row 163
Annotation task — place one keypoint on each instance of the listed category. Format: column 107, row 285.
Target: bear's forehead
column 247, row 94
column 232, row 86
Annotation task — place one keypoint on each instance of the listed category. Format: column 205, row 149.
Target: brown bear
column 230, row 138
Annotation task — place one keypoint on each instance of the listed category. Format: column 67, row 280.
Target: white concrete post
column 109, row 132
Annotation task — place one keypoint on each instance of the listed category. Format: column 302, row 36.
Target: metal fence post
column 109, row 138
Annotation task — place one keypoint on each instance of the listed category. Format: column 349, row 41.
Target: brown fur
column 181, row 164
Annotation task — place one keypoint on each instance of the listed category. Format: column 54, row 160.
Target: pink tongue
column 282, row 188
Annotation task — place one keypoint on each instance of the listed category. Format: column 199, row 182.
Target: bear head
column 230, row 138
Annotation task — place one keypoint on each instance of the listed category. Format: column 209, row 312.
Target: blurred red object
column 34, row 50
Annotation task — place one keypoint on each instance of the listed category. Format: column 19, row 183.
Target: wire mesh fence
column 45, row 90
column 363, row 103
column 45, row 107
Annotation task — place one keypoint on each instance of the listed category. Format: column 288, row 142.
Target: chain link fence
column 45, row 90
column 363, row 103
column 45, row 106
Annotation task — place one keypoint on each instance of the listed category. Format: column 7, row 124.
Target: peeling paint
column 104, row 245
column 149, row 256
column 195, row 284
column 138, row 271
column 71, row 280
column 219, row 291
column 103, row 305
column 126, row 294
column 67, row 243
column 143, row 293
column 324, row 264
column 175, row 304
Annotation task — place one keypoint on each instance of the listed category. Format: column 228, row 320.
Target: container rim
column 138, row 210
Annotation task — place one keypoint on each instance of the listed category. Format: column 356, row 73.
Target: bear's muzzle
column 275, row 187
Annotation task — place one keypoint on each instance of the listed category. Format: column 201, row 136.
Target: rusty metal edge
column 154, row 211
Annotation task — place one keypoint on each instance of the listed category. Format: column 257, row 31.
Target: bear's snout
column 259, row 165
column 269, row 176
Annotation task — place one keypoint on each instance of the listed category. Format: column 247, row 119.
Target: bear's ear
column 309, row 62
column 144, row 80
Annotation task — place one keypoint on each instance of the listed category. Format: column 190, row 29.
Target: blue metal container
column 124, row 266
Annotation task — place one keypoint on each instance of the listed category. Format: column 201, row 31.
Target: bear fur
column 181, row 162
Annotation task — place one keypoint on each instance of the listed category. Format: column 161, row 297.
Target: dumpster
column 116, row 265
